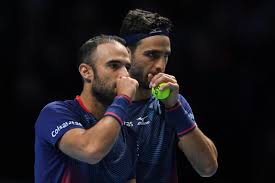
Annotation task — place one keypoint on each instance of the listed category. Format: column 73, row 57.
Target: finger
column 165, row 79
column 173, row 86
column 150, row 76
column 155, row 78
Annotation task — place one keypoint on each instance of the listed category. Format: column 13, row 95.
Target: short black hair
column 86, row 51
column 141, row 21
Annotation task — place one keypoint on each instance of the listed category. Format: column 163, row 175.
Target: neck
column 92, row 104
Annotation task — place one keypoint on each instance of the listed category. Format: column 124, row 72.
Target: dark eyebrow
column 113, row 61
column 127, row 65
column 168, row 53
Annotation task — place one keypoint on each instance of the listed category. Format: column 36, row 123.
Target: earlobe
column 86, row 72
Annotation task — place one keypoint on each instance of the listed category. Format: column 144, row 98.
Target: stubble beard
column 137, row 73
column 102, row 91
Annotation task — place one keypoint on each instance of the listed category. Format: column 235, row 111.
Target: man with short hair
column 84, row 140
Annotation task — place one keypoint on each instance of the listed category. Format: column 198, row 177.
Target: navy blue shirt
column 157, row 140
column 53, row 166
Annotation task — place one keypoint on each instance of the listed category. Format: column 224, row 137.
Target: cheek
column 111, row 81
column 142, row 62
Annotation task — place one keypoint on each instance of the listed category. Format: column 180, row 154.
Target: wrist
column 119, row 108
column 172, row 107
column 125, row 96
column 180, row 119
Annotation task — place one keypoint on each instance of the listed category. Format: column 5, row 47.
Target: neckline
column 78, row 99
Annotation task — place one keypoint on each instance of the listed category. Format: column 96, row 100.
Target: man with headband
column 161, row 124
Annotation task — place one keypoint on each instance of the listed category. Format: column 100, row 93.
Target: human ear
column 86, row 72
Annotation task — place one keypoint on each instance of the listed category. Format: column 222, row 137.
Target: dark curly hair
column 141, row 21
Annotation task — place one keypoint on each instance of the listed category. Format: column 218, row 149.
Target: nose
column 124, row 72
column 160, row 64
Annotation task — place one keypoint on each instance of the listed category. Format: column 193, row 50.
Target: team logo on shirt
column 142, row 121
column 64, row 125
column 128, row 123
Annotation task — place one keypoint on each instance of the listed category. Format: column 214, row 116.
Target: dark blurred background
column 222, row 57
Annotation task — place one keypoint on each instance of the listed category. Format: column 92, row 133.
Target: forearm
column 212, row 146
column 103, row 135
column 93, row 144
column 200, row 151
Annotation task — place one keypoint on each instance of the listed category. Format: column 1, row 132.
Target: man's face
column 150, row 57
column 112, row 61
